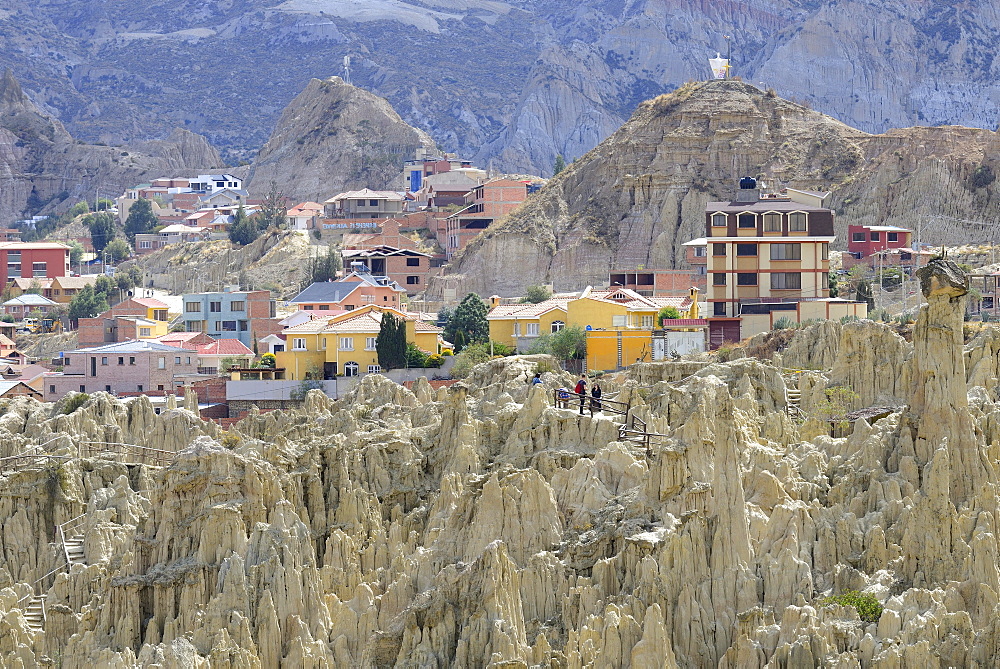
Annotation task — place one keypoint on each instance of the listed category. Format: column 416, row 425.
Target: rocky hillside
column 642, row 192
column 335, row 137
column 481, row 526
column 277, row 261
column 503, row 80
column 42, row 166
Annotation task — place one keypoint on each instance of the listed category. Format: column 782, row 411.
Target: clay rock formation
column 481, row 525
column 334, row 137
column 42, row 166
column 641, row 193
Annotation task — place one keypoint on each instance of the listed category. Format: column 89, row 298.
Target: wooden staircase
column 34, row 614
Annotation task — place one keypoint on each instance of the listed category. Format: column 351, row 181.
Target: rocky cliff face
column 42, row 166
column 642, row 192
column 480, row 525
column 524, row 80
column 335, row 137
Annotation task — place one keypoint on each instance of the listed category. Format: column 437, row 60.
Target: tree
column 273, row 210
column 865, row 294
column 75, row 252
column 834, row 285
column 469, row 318
column 535, row 294
column 141, row 219
column 118, row 250
column 323, row 268
column 559, row 166
column 102, row 229
column 87, row 303
column 391, row 342
column 666, row 313
column 570, row 343
column 243, row 230
column 34, row 288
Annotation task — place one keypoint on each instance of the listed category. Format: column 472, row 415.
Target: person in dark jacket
column 595, row 398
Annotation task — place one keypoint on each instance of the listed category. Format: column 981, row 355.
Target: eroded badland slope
column 641, row 193
column 479, row 525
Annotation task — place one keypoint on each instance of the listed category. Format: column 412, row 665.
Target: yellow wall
column 502, row 331
column 602, row 348
column 156, row 329
column 297, row 363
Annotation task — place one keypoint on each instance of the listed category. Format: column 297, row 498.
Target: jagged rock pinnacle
column 10, row 89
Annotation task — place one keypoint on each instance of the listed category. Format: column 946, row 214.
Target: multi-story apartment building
column 230, row 314
column 483, row 205
column 33, row 260
column 768, row 259
column 126, row 367
column 358, row 289
column 134, row 318
column 364, row 204
column 409, row 268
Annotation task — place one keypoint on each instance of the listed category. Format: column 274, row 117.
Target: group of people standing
column 581, row 390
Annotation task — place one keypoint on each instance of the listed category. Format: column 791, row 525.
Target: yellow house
column 619, row 322
column 344, row 345
column 64, row 288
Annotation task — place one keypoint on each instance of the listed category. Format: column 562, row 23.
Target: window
column 299, row 344
column 161, row 363
column 797, row 222
column 145, row 332
column 857, row 236
column 322, row 343
column 159, row 387
column 718, row 249
column 647, row 321
column 718, row 308
column 772, row 222
column 107, row 389
column 215, row 307
column 824, row 251
column 718, row 279
column 619, row 321
column 308, row 307
column 412, row 280
column 177, row 360
column 83, row 388
column 824, row 281
column 139, row 388
column 746, row 250
column 892, row 236
column 786, row 251
column 517, row 329
column 192, row 307
column 786, row 281
column 325, row 307
column 371, row 343
column 145, row 244
column 372, row 203
column 557, row 326
column 875, row 237
column 746, row 279
column 104, row 360
column 347, row 343
column 532, row 330
column 374, row 369
column 746, row 221
column 13, row 269
column 719, row 220
column 238, row 305
column 121, row 361
column 227, row 326
column 700, row 251
column 131, row 360
column 52, row 389
column 242, row 326
column 413, row 262
column 38, row 269
column 350, row 368
column 187, row 360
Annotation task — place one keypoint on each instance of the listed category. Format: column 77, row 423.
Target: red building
column 33, row 260
column 866, row 240
column 484, row 204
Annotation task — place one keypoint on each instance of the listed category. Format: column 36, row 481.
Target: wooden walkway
column 633, row 429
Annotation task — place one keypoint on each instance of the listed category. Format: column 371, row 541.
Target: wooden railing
column 151, row 456
column 567, row 399
column 66, row 529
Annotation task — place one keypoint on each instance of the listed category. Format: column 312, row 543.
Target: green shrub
column 725, row 353
column 267, row 360
column 470, row 356
column 543, row 367
column 447, row 352
column 868, row 608
column 434, row 360
column 74, row 402
column 783, row 323
column 667, row 313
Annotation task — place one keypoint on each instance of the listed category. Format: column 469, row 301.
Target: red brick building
column 410, row 269
column 484, row 204
column 119, row 323
column 33, row 260
column 658, row 282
